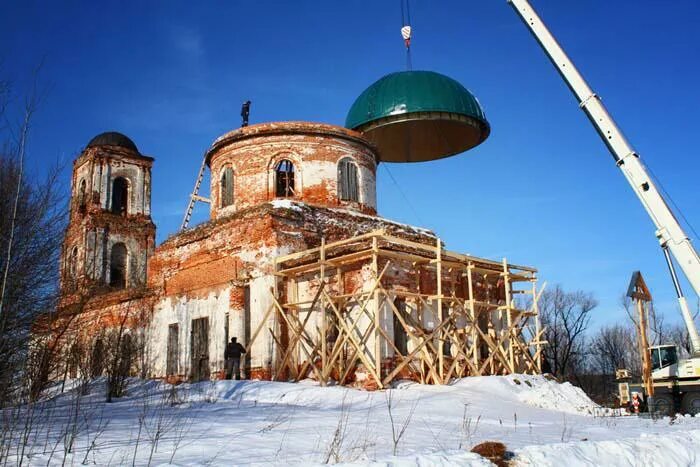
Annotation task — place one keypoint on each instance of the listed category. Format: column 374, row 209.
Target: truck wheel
column 691, row 403
column 663, row 404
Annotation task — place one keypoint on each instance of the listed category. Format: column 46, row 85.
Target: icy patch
column 285, row 204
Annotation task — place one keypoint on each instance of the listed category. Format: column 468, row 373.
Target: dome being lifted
column 416, row 116
column 113, row 138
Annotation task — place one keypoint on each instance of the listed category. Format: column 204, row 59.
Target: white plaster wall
column 261, row 354
column 368, row 187
column 215, row 305
column 181, row 311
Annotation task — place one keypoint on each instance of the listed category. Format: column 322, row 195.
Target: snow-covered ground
column 262, row 423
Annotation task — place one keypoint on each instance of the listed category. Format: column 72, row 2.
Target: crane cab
column 664, row 361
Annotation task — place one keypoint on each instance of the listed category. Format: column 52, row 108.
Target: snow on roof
column 300, row 206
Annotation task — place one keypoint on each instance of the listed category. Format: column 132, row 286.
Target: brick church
column 294, row 261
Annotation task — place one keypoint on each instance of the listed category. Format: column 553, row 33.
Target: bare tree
column 678, row 334
column 566, row 316
column 658, row 330
column 32, row 218
column 119, row 359
column 614, row 347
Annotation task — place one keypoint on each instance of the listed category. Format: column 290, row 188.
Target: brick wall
column 315, row 149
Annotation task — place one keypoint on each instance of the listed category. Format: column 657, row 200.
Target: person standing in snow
column 232, row 355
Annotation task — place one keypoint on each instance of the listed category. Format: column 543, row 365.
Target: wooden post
column 639, row 292
column 472, row 313
column 377, row 320
column 340, row 286
column 538, row 327
column 441, row 340
column 509, row 311
column 322, row 308
column 644, row 344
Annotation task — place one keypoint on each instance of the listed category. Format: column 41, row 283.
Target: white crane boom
column 668, row 230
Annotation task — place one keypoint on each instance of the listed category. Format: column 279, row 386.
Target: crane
column 672, row 239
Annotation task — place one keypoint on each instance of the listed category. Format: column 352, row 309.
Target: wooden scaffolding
column 374, row 308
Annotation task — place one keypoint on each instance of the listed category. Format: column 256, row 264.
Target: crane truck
column 676, row 382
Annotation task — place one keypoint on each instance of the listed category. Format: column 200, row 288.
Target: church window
column 227, row 187
column 347, row 180
column 284, row 179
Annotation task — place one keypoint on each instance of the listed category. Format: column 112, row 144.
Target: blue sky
column 543, row 189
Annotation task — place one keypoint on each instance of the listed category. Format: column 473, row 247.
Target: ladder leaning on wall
column 194, row 197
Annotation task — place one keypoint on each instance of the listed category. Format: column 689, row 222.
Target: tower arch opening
column 118, row 266
column 120, row 196
column 73, row 263
column 82, row 201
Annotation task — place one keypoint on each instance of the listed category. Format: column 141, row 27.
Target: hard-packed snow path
column 268, row 423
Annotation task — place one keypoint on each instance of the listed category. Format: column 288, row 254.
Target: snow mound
column 549, row 394
column 534, row 390
column 679, row 448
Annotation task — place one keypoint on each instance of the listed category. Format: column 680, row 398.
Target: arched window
column 226, row 187
column 97, row 358
column 120, row 195
column 347, row 180
column 284, row 179
column 81, row 195
column 117, row 266
column 73, row 263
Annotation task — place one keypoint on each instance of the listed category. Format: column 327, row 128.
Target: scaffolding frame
column 464, row 320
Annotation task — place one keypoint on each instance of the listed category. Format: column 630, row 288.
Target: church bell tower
column 110, row 234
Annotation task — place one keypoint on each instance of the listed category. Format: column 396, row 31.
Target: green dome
column 417, row 116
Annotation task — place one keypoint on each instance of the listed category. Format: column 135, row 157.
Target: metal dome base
column 424, row 136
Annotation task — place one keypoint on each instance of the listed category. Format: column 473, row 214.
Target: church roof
column 113, row 138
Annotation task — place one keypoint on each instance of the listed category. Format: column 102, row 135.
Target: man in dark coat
column 232, row 355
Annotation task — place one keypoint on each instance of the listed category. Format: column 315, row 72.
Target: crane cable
column 669, row 198
column 406, row 35
column 403, row 195
column 406, row 31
